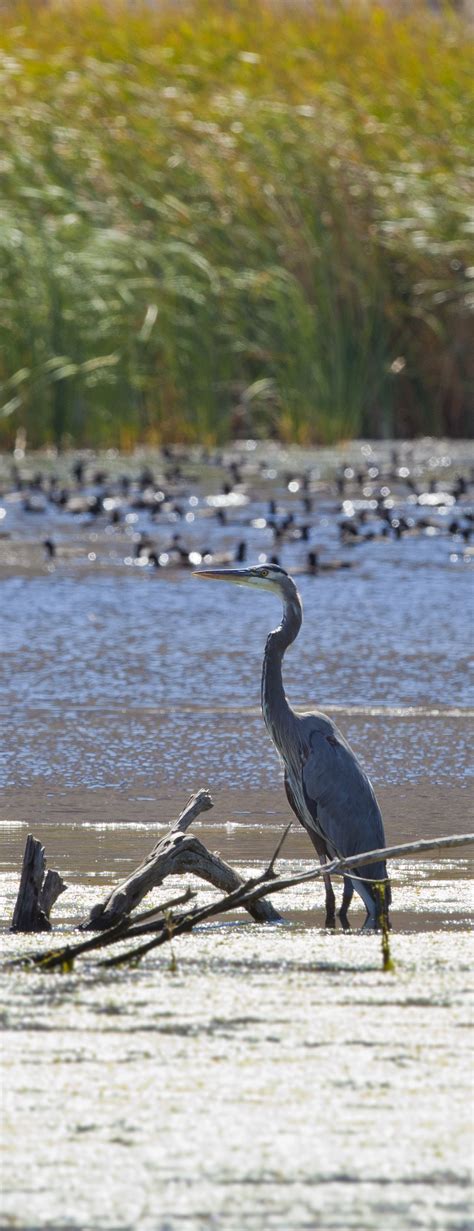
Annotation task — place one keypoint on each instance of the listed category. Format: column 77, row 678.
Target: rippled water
column 278, row 1079
column 145, row 668
column 132, row 666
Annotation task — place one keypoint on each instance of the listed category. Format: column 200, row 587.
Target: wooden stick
column 174, row 854
column 255, row 888
column 194, row 857
column 339, row 866
column 147, row 921
column 248, row 893
column 409, row 848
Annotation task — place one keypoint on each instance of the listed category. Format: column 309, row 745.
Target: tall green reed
column 233, row 218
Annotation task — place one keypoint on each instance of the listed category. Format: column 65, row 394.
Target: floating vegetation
column 225, row 220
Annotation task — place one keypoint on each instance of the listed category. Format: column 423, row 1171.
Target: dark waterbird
column 325, row 783
column 225, row 557
column 50, row 549
column 314, row 565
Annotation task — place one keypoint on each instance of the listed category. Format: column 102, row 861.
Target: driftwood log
column 171, row 925
column 38, row 891
column 177, row 852
column 255, row 887
column 166, row 925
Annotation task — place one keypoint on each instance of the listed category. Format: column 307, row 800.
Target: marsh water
column 277, row 1078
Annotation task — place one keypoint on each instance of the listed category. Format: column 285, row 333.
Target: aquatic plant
column 225, row 219
column 388, row 964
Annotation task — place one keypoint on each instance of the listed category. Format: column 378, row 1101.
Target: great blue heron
column 325, row 783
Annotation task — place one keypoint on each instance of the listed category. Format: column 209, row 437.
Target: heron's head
column 268, row 577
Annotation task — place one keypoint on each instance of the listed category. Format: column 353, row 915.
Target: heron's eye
column 264, row 572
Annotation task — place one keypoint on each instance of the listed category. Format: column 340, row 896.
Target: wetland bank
column 271, row 1076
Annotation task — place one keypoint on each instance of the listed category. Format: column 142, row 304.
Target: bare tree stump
column 53, row 885
column 173, row 854
column 37, row 893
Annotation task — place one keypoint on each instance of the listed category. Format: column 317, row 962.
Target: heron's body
column 325, row 783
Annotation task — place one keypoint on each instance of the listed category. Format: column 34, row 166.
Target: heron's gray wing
column 338, row 793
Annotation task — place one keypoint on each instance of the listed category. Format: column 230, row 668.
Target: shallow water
column 278, row 1079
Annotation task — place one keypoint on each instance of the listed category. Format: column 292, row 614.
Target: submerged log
column 175, row 853
column 38, row 891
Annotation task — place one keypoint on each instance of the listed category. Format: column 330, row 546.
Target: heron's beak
column 240, row 576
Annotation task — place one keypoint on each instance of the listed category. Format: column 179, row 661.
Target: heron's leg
column 348, row 893
column 330, row 921
column 320, row 846
column 369, row 899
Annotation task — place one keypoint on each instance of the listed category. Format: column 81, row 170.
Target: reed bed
column 233, row 219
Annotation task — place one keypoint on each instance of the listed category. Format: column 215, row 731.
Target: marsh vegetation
column 233, row 219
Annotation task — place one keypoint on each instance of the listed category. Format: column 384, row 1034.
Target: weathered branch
column 147, row 921
column 247, row 894
column 175, row 853
column 37, row 893
column 339, row 866
column 256, row 887
column 194, row 857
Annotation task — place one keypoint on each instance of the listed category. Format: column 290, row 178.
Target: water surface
column 278, row 1078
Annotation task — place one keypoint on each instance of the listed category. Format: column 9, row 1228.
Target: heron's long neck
column 277, row 712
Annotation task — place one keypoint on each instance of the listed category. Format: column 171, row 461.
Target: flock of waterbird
column 215, row 509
